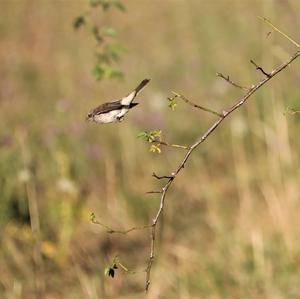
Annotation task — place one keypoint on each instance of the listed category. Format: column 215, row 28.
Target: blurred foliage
column 152, row 137
column 172, row 102
column 231, row 223
column 107, row 52
column 108, row 4
column 291, row 111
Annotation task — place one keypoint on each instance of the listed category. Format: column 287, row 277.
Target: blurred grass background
column 231, row 226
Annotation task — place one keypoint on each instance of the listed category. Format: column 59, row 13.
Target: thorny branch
column 215, row 125
column 221, row 117
column 109, row 230
column 154, row 192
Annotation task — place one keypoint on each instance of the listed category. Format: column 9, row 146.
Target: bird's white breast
column 109, row 117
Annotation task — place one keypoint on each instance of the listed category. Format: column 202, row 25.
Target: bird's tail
column 141, row 85
column 128, row 99
column 132, row 105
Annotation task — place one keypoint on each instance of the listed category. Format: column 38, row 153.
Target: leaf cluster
column 107, row 50
column 172, row 102
column 108, row 4
column 154, row 138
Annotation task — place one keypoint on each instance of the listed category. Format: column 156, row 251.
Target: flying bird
column 114, row 111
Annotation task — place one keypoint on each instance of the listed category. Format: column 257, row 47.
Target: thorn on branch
column 226, row 78
column 268, row 34
column 162, row 177
column 113, row 231
column 259, row 68
column 154, row 192
column 224, row 112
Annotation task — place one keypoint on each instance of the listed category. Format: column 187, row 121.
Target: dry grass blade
column 279, row 31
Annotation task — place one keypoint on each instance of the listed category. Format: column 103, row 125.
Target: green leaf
column 151, row 136
column 98, row 72
column 120, row 5
column 106, row 6
column 291, row 111
column 78, row 22
column 102, row 71
column 94, row 2
column 154, row 135
column 172, row 102
column 103, row 58
column 109, row 31
column 92, row 217
column 114, row 51
column 172, row 105
column 106, row 271
column 111, row 73
column 97, row 34
column 155, row 149
column 142, row 135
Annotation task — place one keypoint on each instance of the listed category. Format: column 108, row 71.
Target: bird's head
column 89, row 116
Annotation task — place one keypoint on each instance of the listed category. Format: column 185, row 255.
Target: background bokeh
column 231, row 225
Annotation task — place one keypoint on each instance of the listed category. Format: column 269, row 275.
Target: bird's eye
column 89, row 115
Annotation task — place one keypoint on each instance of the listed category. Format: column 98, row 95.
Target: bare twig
column 169, row 144
column 109, row 230
column 183, row 98
column 161, row 177
column 154, row 192
column 226, row 78
column 117, row 262
column 241, row 101
column 259, row 68
column 124, row 268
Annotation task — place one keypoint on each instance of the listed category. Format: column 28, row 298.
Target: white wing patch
column 128, row 99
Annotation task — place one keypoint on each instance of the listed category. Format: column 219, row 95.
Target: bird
column 112, row 112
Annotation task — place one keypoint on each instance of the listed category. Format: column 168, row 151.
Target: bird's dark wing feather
column 107, row 107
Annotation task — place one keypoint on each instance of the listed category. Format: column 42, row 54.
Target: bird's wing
column 129, row 98
column 107, row 107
